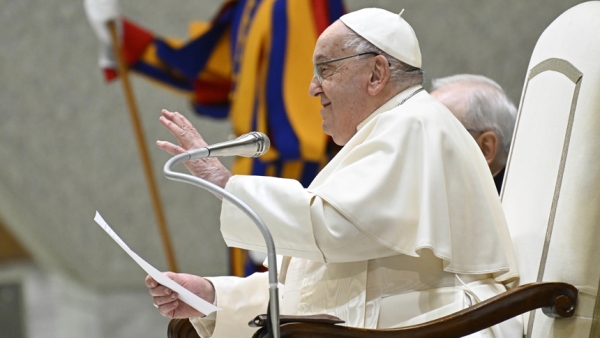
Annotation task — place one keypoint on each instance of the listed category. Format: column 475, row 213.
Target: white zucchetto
column 388, row 31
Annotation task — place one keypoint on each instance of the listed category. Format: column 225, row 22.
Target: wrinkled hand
column 209, row 169
column 167, row 302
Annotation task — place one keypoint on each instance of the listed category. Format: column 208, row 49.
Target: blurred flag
column 252, row 64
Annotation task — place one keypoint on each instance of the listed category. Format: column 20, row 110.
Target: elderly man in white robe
column 403, row 226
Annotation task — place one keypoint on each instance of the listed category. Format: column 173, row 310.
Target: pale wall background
column 67, row 149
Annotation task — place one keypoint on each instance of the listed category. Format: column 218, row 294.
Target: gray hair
column 487, row 107
column 401, row 73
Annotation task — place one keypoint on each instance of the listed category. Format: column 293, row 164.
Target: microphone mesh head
column 263, row 143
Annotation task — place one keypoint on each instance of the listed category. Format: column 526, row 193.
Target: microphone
column 253, row 144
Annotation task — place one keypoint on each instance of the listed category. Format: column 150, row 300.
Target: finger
column 160, row 291
column 186, row 128
column 167, row 114
column 178, row 278
column 171, row 275
column 150, row 282
column 161, row 300
column 170, row 147
column 187, row 137
column 179, row 120
column 171, row 126
column 168, row 309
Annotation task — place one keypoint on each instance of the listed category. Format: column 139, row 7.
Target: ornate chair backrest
column 551, row 193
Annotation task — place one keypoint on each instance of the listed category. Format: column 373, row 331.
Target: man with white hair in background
column 402, row 226
column 483, row 107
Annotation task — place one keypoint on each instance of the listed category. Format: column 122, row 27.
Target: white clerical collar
column 395, row 101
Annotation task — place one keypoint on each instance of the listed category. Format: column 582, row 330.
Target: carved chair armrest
column 556, row 300
column 261, row 320
column 181, row 328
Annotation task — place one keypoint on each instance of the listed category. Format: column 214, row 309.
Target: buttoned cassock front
column 404, row 225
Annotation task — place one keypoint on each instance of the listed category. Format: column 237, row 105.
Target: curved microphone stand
column 215, row 189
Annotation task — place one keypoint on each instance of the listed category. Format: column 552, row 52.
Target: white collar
column 391, row 104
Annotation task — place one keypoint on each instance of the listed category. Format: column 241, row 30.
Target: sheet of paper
column 184, row 294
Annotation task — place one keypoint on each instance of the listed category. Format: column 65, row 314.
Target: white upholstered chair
column 551, row 192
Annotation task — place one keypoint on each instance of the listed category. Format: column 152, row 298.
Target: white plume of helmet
column 99, row 13
column 388, row 31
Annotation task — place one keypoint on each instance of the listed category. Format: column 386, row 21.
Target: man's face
column 341, row 91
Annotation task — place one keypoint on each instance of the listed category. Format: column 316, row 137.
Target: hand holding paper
column 167, row 301
column 183, row 294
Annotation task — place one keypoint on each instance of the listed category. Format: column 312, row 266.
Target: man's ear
column 380, row 74
column 488, row 143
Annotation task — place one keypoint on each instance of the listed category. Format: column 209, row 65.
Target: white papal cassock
column 404, row 225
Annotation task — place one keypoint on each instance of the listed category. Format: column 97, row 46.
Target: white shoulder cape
column 425, row 175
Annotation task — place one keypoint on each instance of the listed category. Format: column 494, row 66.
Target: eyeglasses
column 318, row 70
